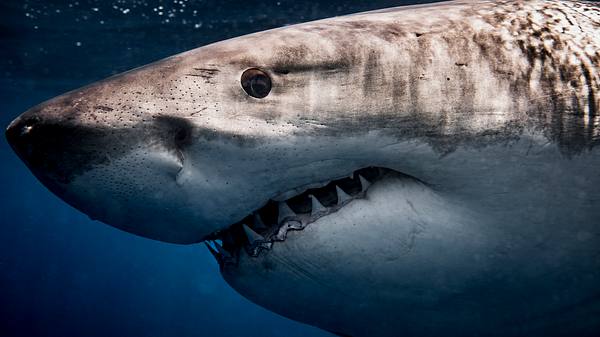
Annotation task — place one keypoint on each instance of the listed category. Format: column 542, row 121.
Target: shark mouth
column 270, row 224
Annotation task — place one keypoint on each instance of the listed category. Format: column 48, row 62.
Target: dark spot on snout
column 176, row 129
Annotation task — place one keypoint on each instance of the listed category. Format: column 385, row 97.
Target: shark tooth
column 252, row 235
column 295, row 224
column 222, row 250
column 281, row 233
column 316, row 205
column 284, row 212
column 213, row 252
column 258, row 223
column 342, row 196
column 364, row 183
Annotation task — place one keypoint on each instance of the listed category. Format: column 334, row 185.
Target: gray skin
column 490, row 112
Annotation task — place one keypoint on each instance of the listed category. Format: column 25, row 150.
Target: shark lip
column 270, row 224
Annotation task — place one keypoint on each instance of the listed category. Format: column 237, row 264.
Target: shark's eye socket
column 256, row 83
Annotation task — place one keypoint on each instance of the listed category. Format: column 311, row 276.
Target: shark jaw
column 270, row 224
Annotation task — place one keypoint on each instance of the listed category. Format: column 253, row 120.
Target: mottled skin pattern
column 495, row 106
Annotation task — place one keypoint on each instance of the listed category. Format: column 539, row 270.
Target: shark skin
column 420, row 171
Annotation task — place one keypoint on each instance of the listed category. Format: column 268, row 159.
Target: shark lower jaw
column 260, row 230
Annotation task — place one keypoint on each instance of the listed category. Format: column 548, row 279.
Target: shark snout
column 111, row 166
column 25, row 136
column 53, row 148
column 17, row 135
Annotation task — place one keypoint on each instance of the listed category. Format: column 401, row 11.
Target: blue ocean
column 62, row 274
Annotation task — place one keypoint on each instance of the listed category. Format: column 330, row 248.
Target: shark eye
column 256, row 83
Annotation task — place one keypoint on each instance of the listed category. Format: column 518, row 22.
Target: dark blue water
column 62, row 274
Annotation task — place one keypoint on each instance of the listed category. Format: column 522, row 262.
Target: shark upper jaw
column 263, row 228
column 168, row 174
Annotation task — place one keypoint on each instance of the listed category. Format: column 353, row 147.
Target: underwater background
column 62, row 274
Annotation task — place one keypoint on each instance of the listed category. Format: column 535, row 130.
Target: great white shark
column 428, row 170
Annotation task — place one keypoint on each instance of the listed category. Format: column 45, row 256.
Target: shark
column 424, row 170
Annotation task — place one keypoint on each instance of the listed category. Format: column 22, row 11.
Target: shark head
column 184, row 147
column 439, row 160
